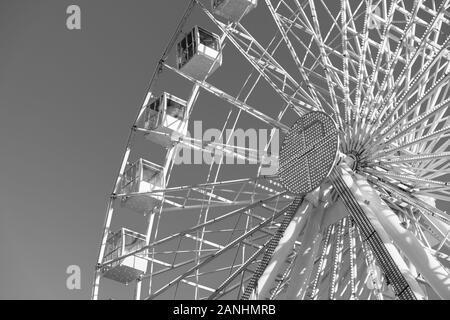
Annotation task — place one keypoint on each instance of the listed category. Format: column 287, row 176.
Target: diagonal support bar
column 404, row 284
column 272, row 247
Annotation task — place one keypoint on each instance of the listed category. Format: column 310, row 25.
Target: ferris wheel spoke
column 221, row 288
column 292, row 21
column 423, row 99
column 199, row 226
column 262, row 57
column 414, row 87
column 433, row 138
column 439, row 124
column 330, row 75
column 292, row 51
column 318, row 73
column 243, row 191
column 436, row 228
column 226, row 268
column 420, row 120
column 307, row 29
column 420, row 182
column 423, row 43
column 321, row 265
column 415, row 202
column 404, row 76
column 241, row 154
column 337, row 259
column 220, row 270
column 416, row 158
column 437, row 63
column 362, row 64
column 383, row 105
column 347, row 274
column 217, row 253
column 410, row 19
column 345, row 63
column 316, row 68
column 382, row 49
column 232, row 100
column 347, row 268
column 262, row 62
column 308, row 252
column 172, row 266
column 438, row 195
column 313, row 29
column 237, row 286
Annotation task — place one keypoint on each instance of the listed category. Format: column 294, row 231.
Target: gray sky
column 67, row 100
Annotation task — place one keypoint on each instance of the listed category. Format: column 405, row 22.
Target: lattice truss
column 379, row 68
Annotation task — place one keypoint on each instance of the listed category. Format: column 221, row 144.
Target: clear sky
column 67, row 100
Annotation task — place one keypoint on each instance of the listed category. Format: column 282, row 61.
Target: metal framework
column 374, row 226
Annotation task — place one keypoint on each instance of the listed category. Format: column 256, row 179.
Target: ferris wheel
column 345, row 194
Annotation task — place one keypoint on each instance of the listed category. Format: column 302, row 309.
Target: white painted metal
column 380, row 69
column 428, row 266
column 283, row 249
column 233, row 10
column 140, row 178
column 304, row 261
column 129, row 268
column 199, row 53
column 370, row 211
column 165, row 118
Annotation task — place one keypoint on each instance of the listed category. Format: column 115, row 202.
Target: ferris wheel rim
column 246, row 108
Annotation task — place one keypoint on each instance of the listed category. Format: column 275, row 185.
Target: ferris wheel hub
column 308, row 153
column 351, row 160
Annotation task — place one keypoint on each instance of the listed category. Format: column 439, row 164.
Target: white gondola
column 199, row 53
column 118, row 245
column 165, row 118
column 139, row 179
column 233, row 10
